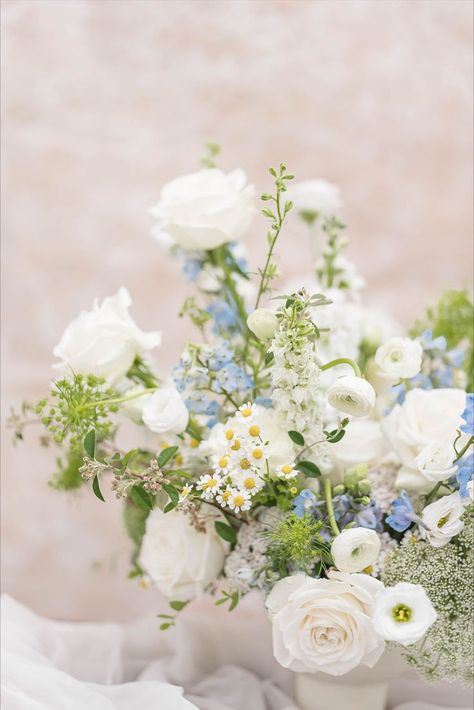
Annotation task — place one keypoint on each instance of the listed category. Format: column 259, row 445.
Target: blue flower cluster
column 468, row 415
column 465, row 473
column 347, row 510
column 402, row 513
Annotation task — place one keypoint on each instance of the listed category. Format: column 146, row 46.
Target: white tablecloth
column 202, row 663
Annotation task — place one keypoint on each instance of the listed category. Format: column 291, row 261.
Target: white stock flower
column 325, row 624
column 104, row 341
column 165, row 412
column 263, row 323
column 205, row 209
column 435, row 461
column 403, row 613
column 442, row 520
column 425, row 417
column 315, row 197
column 399, row 358
column 180, row 561
column 352, row 395
column 355, row 549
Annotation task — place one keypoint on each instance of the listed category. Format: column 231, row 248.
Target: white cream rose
column 399, row 358
column 425, row 417
column 179, row 560
column 104, row 341
column 435, row 461
column 164, row 412
column 263, row 322
column 362, row 443
column 355, row 549
column 352, row 395
column 403, row 613
column 442, row 520
column 206, row 209
column 325, row 624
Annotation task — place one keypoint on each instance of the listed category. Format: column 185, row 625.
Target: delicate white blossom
column 315, row 198
column 352, row 395
column 399, row 358
column 442, row 520
column 435, row 461
column 355, row 549
column 165, row 412
column 263, row 322
column 403, row 613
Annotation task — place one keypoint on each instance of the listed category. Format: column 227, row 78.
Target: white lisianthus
column 442, row 520
column 205, row 209
column 179, row 560
column 352, row 395
column 403, row 613
column 362, row 443
column 314, row 198
column 104, row 341
column 355, row 549
column 435, row 461
column 263, row 323
column 133, row 408
column 399, row 358
column 425, row 417
column 325, row 624
column 165, row 412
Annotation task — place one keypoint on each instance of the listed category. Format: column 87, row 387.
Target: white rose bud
column 263, row 323
column 399, row 358
column 435, row 461
column 355, row 549
column 403, row 613
column 164, row 412
column 352, row 395
column 205, row 209
column 442, row 520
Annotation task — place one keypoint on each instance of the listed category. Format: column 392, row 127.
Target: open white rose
column 399, row 358
column 104, row 341
column 352, row 395
column 355, row 549
column 313, row 198
column 442, row 520
column 435, row 461
column 263, row 323
column 363, row 442
column 165, row 412
column 403, row 613
column 205, row 209
column 425, row 417
column 325, row 624
column 180, row 561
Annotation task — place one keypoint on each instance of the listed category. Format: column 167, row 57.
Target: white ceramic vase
column 361, row 689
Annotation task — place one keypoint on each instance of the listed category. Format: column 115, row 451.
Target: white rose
column 363, row 442
column 425, row 417
column 181, row 561
column 355, row 549
column 352, row 395
column 315, row 197
column 205, row 209
column 165, row 412
column 104, row 341
column 263, row 323
column 435, row 461
column 325, row 624
column 442, row 520
column 403, row 613
column 399, row 358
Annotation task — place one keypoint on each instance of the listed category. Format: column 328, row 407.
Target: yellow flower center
column 293, row 491
column 254, row 430
column 245, row 464
column 164, row 445
column 246, row 412
column 229, row 434
column 239, row 500
column 194, row 443
column 179, row 459
column 257, row 453
column 225, row 496
column 250, row 483
column 210, row 483
column 236, row 445
column 223, row 462
column 287, row 470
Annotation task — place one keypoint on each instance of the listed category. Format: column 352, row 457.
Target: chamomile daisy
column 286, row 471
column 249, row 481
column 209, row 485
column 185, row 491
column 246, row 411
column 239, row 500
column 223, row 497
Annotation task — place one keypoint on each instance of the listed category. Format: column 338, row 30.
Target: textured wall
column 106, row 99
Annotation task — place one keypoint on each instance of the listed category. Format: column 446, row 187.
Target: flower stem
column 465, row 448
column 343, row 361
column 330, row 507
column 119, row 400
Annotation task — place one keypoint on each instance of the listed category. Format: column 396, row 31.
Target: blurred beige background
column 104, row 100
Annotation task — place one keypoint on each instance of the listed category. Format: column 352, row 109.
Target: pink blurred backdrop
column 104, row 100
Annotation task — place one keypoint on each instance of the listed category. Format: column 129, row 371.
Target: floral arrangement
column 303, row 446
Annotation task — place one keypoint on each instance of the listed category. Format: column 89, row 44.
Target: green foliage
column 296, row 544
column 232, row 597
column 453, row 318
column 308, row 469
column 67, row 476
column 226, row 532
column 296, row 438
column 329, row 274
column 212, row 151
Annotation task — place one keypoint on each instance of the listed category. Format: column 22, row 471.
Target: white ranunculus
column 425, row 417
column 355, row 549
column 165, row 412
column 180, row 561
column 435, row 461
column 325, row 624
column 205, row 209
column 362, row 443
column 442, row 520
column 352, row 395
column 399, row 358
column 263, row 322
column 403, row 613
column 315, row 197
column 104, row 341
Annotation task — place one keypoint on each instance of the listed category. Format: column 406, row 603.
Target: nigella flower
column 402, row 514
column 468, row 415
column 304, row 503
column 465, row 473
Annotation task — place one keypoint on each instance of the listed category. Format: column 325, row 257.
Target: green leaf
column 234, row 602
column 89, row 443
column 308, row 468
column 169, row 507
column 166, row 455
column 96, row 489
column 178, row 606
column 172, row 492
column 225, row 532
column 296, row 438
column 334, row 436
column 141, row 498
column 163, row 627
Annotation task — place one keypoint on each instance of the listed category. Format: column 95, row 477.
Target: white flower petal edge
column 403, row 613
column 165, row 412
column 355, row 549
column 352, row 395
column 263, row 323
column 325, row 624
column 435, row 461
column 442, row 520
column 399, row 358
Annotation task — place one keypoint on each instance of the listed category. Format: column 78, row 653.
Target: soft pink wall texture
column 106, row 100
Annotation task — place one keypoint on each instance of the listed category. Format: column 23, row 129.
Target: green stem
column 330, row 507
column 262, row 287
column 120, row 400
column 465, row 448
column 343, row 361
column 432, row 494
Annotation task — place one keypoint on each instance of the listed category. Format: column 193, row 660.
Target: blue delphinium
column 468, row 415
column 465, row 473
column 225, row 316
column 304, row 503
column 402, row 514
